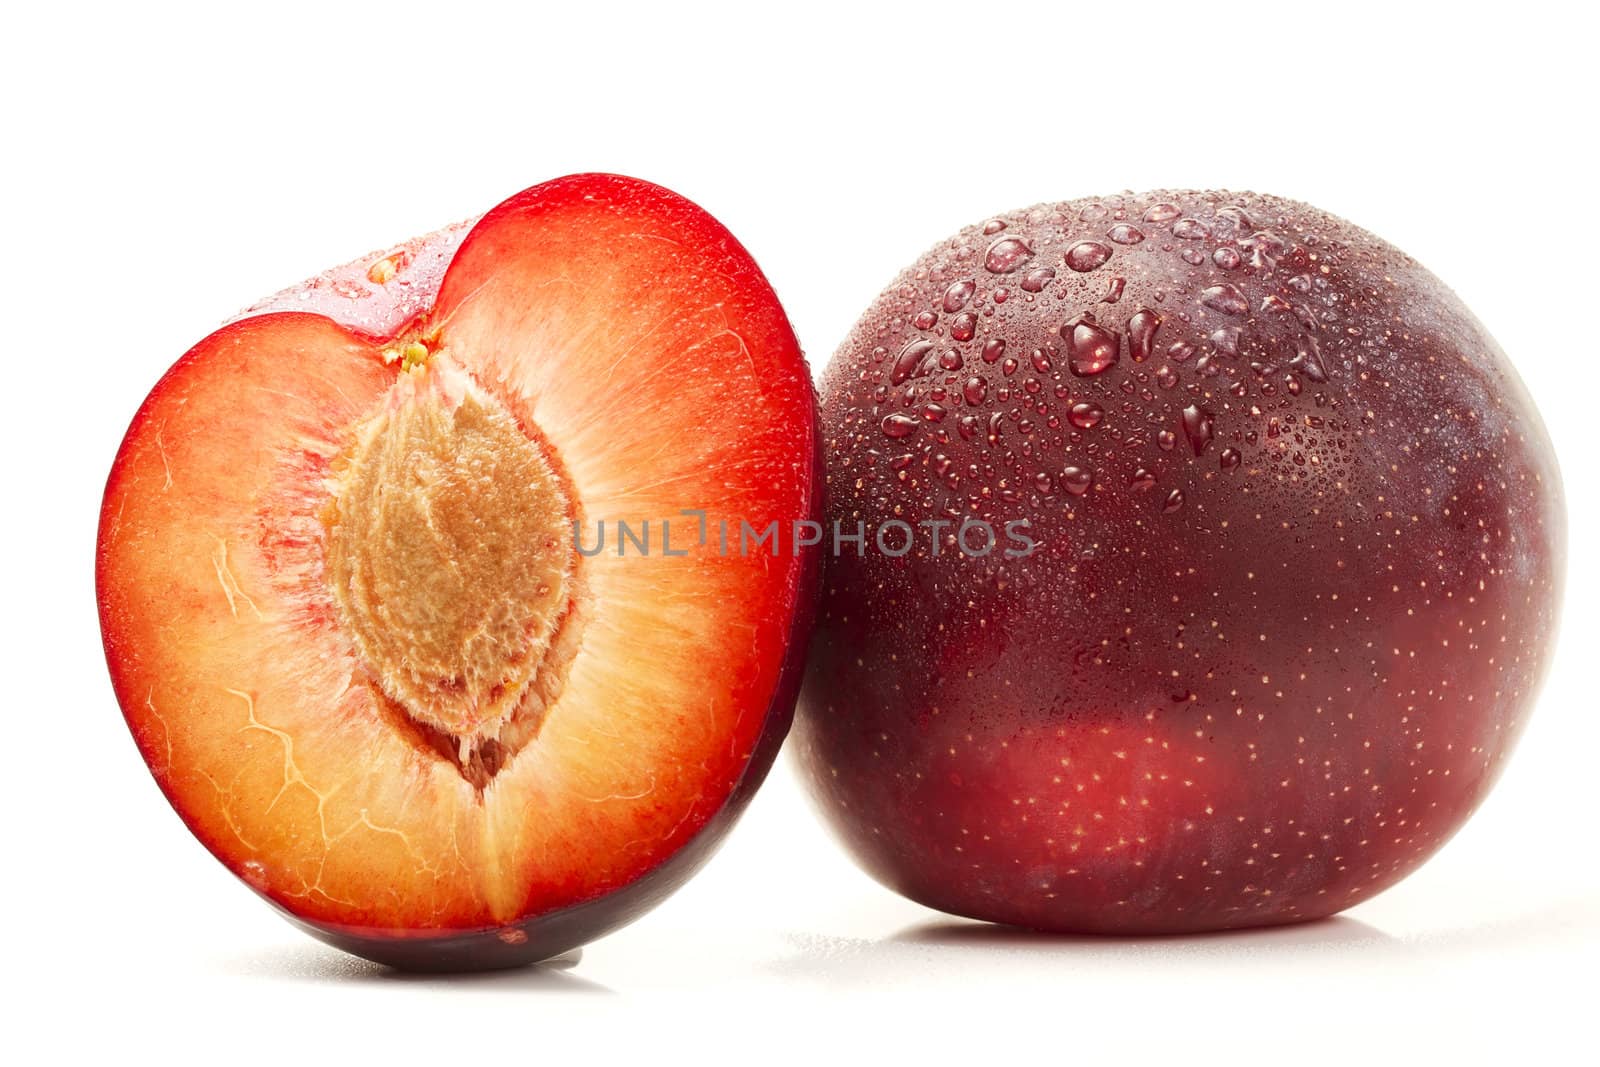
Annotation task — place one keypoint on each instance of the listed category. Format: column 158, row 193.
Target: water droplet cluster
column 1021, row 328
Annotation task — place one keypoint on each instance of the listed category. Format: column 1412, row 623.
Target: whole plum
column 1298, row 552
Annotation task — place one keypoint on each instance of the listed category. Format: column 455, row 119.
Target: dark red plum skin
column 1261, row 666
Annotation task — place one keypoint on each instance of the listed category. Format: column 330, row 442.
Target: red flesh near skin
column 1301, row 545
column 632, row 338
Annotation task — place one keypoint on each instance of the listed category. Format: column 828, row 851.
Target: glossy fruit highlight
column 349, row 598
column 1300, row 546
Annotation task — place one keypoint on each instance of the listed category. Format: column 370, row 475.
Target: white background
column 164, row 167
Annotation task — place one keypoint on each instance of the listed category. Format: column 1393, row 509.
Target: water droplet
column 1197, row 426
column 1142, row 480
column 1226, row 339
column 933, row 412
column 964, row 326
column 350, row 290
column 1180, row 351
column 1008, row 366
column 1124, row 234
column 1190, row 230
column 1192, row 256
column 993, row 226
column 1166, row 377
column 1173, row 502
column 1235, row 216
column 1230, row 458
column 1225, row 298
column 1166, row 439
column 1076, row 480
column 382, row 271
column 1091, row 348
column 956, row 297
column 1006, row 255
column 1002, row 294
column 1041, row 361
column 1308, row 357
column 1042, row 482
column 975, row 390
column 993, row 349
column 1227, row 258
column 950, row 359
column 1161, row 213
column 1300, row 283
column 1037, row 278
column 925, row 320
column 1266, row 248
column 1142, row 327
column 1272, row 302
column 898, row 426
column 255, row 872
column 1086, row 415
column 1114, row 291
column 1087, row 255
column 908, row 363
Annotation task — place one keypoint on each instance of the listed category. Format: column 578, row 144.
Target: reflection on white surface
column 312, row 962
column 957, row 950
column 947, row 954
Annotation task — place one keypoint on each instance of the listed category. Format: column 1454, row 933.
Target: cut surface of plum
column 344, row 603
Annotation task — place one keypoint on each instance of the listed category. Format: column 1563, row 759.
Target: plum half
column 1297, row 553
column 365, row 603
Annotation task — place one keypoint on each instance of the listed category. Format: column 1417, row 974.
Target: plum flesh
column 343, row 604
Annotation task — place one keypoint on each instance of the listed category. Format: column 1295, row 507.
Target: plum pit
column 450, row 560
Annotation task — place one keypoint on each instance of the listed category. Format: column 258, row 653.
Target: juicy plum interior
column 348, row 620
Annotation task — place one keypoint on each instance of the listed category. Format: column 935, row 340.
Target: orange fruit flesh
column 635, row 357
